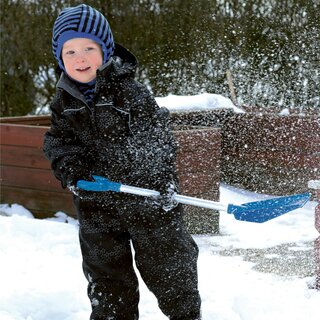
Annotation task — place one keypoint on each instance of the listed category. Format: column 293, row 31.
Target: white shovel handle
column 179, row 198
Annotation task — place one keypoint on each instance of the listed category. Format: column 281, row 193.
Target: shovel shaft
column 139, row 191
column 201, row 202
column 179, row 198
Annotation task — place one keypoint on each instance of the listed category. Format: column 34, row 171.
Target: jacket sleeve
column 63, row 150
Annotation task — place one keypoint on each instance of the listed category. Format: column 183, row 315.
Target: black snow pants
column 164, row 252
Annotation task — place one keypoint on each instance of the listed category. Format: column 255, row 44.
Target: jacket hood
column 123, row 62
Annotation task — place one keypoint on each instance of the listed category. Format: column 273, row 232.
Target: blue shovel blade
column 262, row 211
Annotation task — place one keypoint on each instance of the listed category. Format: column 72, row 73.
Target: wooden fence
column 26, row 176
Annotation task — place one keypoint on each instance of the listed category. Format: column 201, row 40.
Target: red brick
column 198, row 138
column 198, row 161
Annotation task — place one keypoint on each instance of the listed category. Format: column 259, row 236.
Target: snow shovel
column 258, row 211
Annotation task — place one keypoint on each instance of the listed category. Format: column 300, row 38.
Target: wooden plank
column 40, row 214
column 21, row 156
column 36, row 120
column 38, row 179
column 45, row 203
column 22, row 135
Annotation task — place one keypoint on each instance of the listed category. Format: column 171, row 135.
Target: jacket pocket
column 112, row 123
column 79, row 119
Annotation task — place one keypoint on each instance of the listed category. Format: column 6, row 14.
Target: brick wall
column 265, row 153
column 198, row 167
column 270, row 153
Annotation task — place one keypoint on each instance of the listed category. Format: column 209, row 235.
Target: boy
column 105, row 123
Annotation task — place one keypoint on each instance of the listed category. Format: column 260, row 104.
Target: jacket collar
column 68, row 85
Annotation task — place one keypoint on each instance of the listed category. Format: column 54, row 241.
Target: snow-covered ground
column 41, row 276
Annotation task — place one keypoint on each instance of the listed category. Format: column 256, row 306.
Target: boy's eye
column 89, row 48
column 69, row 52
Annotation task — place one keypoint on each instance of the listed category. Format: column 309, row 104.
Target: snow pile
column 204, row 101
column 41, row 276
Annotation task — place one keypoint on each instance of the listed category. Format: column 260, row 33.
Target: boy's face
column 81, row 58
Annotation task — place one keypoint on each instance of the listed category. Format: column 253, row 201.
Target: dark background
column 184, row 47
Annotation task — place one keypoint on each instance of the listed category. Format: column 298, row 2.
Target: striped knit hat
column 82, row 22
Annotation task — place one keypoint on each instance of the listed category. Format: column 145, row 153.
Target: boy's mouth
column 83, row 69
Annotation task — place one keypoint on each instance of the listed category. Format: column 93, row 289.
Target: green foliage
column 183, row 46
column 25, row 56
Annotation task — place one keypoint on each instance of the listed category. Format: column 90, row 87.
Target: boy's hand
column 72, row 175
column 166, row 200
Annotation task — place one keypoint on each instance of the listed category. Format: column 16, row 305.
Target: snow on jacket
column 123, row 134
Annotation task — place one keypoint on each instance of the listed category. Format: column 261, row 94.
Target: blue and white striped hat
column 82, row 21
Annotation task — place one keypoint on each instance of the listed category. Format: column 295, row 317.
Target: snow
column 41, row 276
column 203, row 101
column 284, row 112
column 314, row 184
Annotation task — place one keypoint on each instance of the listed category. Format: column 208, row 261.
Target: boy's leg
column 166, row 257
column 107, row 264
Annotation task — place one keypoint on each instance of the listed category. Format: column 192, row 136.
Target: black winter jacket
column 122, row 135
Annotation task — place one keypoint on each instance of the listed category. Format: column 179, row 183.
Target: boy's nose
column 80, row 57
